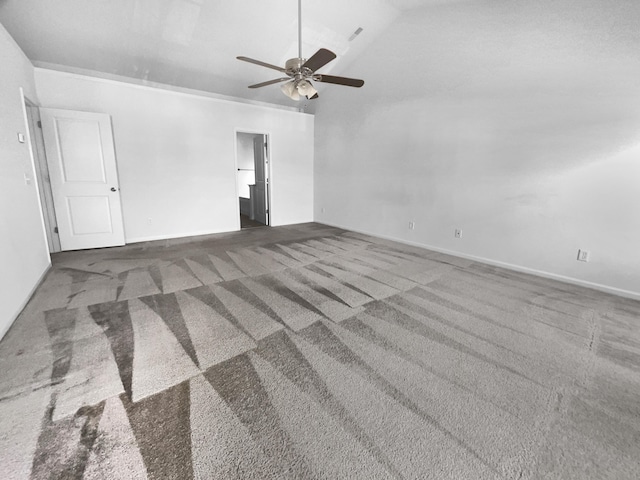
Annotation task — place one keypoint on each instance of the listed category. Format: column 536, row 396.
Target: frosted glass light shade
column 306, row 89
column 290, row 90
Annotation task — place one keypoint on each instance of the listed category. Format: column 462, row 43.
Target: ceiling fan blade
column 319, row 59
column 262, row 64
column 349, row 82
column 270, row 82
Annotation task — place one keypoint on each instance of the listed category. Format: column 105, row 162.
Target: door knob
column 113, row 189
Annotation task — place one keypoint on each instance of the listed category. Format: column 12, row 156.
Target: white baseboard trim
column 22, row 306
column 171, row 236
column 517, row 268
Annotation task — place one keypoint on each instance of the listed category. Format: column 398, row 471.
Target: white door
column 261, row 202
column 84, row 178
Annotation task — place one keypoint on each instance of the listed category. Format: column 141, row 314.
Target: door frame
column 41, row 171
column 268, row 161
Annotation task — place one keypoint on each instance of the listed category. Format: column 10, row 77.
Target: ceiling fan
column 300, row 71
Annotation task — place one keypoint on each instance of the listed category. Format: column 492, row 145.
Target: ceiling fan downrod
column 299, row 28
column 300, row 71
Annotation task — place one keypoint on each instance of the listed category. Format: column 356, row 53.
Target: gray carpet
column 311, row 352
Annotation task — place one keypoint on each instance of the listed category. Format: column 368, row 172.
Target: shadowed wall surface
column 312, row 352
column 515, row 121
column 23, row 247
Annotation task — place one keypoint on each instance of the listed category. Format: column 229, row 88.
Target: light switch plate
column 21, row 137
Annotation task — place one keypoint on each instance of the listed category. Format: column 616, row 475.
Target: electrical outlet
column 458, row 233
column 583, row 255
column 412, row 225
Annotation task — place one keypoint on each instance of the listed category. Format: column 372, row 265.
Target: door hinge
column 39, row 124
column 55, row 229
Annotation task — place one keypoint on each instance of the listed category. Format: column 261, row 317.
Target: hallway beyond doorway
column 246, row 222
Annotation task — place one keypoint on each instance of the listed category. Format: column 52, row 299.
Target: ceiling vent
column 355, row 34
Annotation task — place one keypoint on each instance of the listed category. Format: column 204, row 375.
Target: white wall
column 518, row 122
column 24, row 255
column 176, row 154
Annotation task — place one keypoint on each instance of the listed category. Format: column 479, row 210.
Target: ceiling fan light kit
column 290, row 90
column 305, row 88
column 301, row 71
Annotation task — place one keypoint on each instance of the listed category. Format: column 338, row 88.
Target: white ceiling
column 193, row 43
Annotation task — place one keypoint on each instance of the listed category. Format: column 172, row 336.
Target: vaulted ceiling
column 193, row 43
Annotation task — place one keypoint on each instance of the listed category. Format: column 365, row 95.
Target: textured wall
column 518, row 122
column 176, row 154
column 24, row 255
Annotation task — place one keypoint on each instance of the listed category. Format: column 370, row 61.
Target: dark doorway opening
column 253, row 179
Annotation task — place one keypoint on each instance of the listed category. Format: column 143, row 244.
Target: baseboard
column 22, row 306
column 517, row 268
column 171, row 236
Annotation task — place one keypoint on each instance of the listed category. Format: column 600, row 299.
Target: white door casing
column 261, row 202
column 84, row 178
column 42, row 177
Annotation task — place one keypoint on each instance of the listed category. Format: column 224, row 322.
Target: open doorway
column 252, row 150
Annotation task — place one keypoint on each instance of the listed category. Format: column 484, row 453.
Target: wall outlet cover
column 583, row 255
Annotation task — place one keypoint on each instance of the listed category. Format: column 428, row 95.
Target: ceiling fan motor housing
column 294, row 65
column 301, row 71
